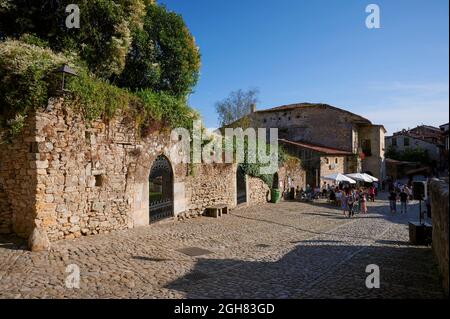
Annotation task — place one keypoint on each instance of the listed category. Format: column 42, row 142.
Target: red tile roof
column 317, row 148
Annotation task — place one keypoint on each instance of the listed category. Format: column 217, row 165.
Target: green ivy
column 28, row 77
column 253, row 169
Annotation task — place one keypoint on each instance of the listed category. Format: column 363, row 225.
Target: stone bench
column 217, row 210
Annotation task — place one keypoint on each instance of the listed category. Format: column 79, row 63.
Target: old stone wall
column 291, row 176
column 439, row 213
column 210, row 185
column 5, row 212
column 72, row 178
column 258, row 192
column 83, row 178
column 19, row 161
column 375, row 163
column 315, row 124
column 332, row 164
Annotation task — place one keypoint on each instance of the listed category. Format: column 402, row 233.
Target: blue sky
column 321, row 51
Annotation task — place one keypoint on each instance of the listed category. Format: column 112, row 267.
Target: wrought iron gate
column 161, row 189
column 241, row 186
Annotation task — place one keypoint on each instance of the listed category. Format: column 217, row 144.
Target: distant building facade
column 402, row 141
column 325, row 138
column 431, row 139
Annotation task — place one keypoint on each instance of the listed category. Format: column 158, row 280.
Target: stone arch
column 161, row 189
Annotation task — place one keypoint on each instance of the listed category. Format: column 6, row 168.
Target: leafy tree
column 131, row 56
column 133, row 43
column 237, row 105
column 409, row 155
column 163, row 55
column 102, row 41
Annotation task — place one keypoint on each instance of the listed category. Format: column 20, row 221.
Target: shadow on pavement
column 317, row 271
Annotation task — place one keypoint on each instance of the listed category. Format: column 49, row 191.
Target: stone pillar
column 179, row 198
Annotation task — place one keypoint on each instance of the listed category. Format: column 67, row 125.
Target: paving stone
column 288, row 250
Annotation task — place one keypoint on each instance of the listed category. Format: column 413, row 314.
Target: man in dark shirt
column 393, row 201
column 404, row 201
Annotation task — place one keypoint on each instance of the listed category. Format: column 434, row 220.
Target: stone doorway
column 161, row 189
column 241, row 186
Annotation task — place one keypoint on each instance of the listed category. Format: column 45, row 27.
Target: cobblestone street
column 288, row 250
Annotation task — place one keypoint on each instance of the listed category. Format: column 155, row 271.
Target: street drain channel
column 194, row 251
column 262, row 246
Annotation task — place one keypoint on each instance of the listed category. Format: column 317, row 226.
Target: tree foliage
column 237, row 105
column 134, row 43
column 409, row 155
column 103, row 39
column 26, row 74
column 28, row 77
column 163, row 55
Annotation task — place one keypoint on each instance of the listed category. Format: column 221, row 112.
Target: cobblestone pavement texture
column 285, row 250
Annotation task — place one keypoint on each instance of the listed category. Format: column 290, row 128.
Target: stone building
column 326, row 139
column 317, row 161
column 68, row 179
column 402, row 141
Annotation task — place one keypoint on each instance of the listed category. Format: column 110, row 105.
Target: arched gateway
column 241, row 186
column 161, row 189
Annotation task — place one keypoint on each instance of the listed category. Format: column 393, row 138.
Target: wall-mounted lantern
column 65, row 70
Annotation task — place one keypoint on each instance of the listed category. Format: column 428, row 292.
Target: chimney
column 253, row 108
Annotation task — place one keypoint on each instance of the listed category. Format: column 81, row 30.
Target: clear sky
column 321, row 51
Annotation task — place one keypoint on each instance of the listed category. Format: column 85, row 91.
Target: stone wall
column 376, row 162
column 317, row 124
column 84, row 181
column 71, row 178
column 291, row 176
column 210, row 185
column 258, row 192
column 5, row 212
column 332, row 164
column 439, row 213
column 19, row 161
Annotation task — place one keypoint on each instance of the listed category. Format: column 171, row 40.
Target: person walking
column 363, row 200
column 344, row 202
column 393, row 201
column 372, row 193
column 403, row 201
column 351, row 203
column 357, row 203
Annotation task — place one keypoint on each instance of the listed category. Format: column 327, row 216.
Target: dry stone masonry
column 66, row 178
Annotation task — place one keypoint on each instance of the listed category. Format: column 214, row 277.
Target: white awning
column 360, row 177
column 338, row 177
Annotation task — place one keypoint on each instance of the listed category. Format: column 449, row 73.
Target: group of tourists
column 351, row 199
column 399, row 192
column 354, row 199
